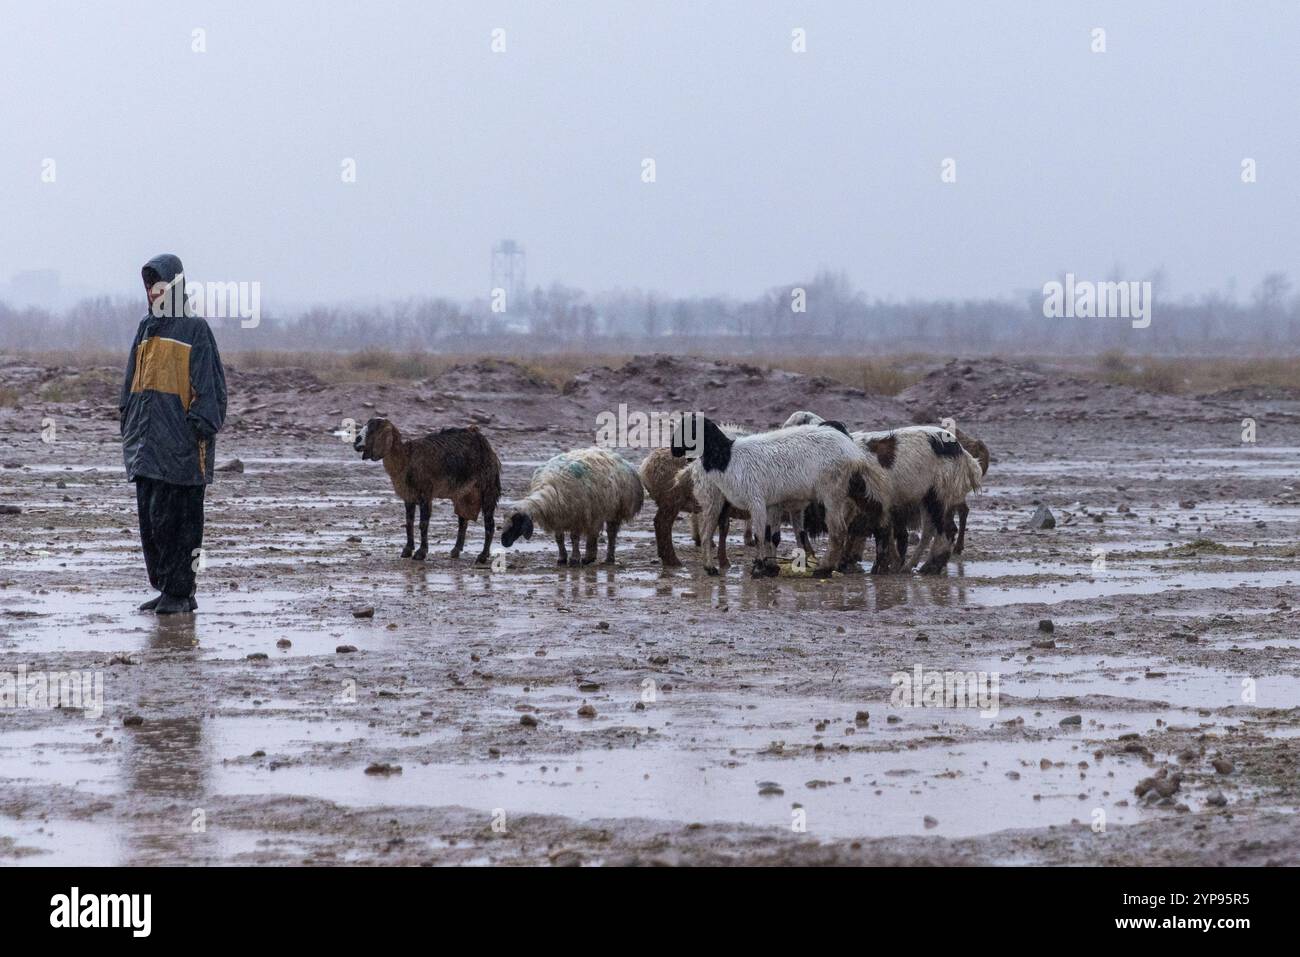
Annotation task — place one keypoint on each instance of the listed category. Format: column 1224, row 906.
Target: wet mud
column 1146, row 652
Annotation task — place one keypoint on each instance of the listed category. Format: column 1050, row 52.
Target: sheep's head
column 802, row 418
column 520, row 524
column 688, row 435
column 697, row 436
column 376, row 439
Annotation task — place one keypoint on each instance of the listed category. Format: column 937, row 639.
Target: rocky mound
column 730, row 391
column 494, row 377
column 989, row 389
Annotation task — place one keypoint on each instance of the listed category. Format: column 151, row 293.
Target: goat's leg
column 963, row 510
column 801, row 537
column 724, row 525
column 886, row 550
column 695, row 528
column 765, row 565
column 664, row 519
column 937, row 563
column 489, row 529
column 923, row 546
column 559, row 543
column 837, row 540
column 423, row 550
column 410, row 530
column 575, row 553
column 900, row 541
column 611, row 533
column 709, row 516
column 590, row 556
column 461, row 524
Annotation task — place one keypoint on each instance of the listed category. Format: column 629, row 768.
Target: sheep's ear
column 382, row 443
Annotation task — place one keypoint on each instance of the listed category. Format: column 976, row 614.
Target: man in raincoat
column 172, row 407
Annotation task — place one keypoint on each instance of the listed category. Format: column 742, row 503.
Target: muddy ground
column 735, row 720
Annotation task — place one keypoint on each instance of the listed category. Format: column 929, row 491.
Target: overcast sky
column 770, row 164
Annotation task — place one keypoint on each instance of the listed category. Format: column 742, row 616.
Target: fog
column 770, row 165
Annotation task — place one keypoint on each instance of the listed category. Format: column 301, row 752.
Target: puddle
column 1113, row 584
column 965, row 787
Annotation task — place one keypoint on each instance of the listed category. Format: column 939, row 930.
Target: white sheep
column 577, row 493
column 762, row 473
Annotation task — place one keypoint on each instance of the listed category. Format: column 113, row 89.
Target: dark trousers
column 171, row 531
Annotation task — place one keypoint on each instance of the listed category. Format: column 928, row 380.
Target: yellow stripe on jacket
column 163, row 365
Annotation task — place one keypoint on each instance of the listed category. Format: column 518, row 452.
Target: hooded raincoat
column 173, row 400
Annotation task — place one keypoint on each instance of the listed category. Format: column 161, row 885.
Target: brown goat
column 980, row 452
column 672, row 497
column 453, row 463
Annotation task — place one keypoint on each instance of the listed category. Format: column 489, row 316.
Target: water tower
column 509, row 273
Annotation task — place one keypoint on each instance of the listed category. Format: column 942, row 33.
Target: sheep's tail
column 971, row 471
column 489, row 480
column 867, row 484
column 691, row 473
column 976, row 448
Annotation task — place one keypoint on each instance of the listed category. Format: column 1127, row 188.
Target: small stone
column 345, row 649
column 1045, row 624
column 384, row 768
column 528, row 721
column 1042, row 518
column 257, row 656
column 132, row 721
column 1223, row 765
column 861, row 718
column 930, row 822
column 1217, row 800
column 367, row 612
column 586, row 711
column 284, row 643
column 234, row 465
column 1073, row 720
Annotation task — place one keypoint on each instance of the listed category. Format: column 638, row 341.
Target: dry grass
column 1192, row 376
column 382, row 365
column 886, row 375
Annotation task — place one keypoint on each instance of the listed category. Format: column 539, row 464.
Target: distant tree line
column 825, row 315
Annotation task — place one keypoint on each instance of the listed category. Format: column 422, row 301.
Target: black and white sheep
column 673, row 494
column 576, row 493
column 766, row 472
column 930, row 473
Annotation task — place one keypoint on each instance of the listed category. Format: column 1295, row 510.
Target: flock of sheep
column 811, row 473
